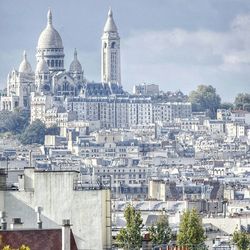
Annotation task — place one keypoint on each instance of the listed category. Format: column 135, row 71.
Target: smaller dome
column 42, row 66
column 25, row 65
column 110, row 23
column 75, row 66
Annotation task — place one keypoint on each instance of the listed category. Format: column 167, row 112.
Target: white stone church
column 55, row 95
column 50, row 76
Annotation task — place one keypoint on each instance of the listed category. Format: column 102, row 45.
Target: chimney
column 38, row 217
column 66, row 234
column 3, row 179
column 3, row 220
column 16, row 224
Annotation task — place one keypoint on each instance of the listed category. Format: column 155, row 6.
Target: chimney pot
column 17, row 220
column 39, row 221
column 16, row 223
column 66, row 234
column 66, row 223
column 3, row 220
column 2, row 214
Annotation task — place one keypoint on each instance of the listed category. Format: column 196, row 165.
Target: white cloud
column 182, row 59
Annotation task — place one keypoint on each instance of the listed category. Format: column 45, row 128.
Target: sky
column 177, row 44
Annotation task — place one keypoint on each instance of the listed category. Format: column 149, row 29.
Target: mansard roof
column 102, row 89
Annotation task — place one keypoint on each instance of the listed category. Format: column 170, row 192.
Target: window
column 113, row 45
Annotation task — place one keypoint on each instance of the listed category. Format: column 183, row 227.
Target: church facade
column 52, row 92
column 50, row 76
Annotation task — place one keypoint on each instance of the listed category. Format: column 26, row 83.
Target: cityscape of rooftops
column 125, row 125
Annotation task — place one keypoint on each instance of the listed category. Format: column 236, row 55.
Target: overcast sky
column 177, row 44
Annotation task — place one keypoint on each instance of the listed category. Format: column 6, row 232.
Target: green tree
column 23, row 247
column 14, row 122
column 160, row 232
column 17, row 121
column 34, row 133
column 3, row 117
column 130, row 237
column 242, row 101
column 227, row 105
column 242, row 240
column 191, row 233
column 205, row 98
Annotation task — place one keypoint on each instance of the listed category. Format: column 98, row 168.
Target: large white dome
column 49, row 37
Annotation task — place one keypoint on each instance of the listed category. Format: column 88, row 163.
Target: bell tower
column 111, row 72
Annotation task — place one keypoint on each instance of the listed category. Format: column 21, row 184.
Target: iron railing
column 99, row 184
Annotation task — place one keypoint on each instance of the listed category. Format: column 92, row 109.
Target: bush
column 34, row 133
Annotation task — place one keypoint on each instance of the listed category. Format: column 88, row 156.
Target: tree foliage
column 23, row 247
column 130, row 236
column 205, row 98
column 191, row 233
column 14, row 122
column 242, row 240
column 227, row 105
column 160, row 232
column 34, row 133
column 242, row 101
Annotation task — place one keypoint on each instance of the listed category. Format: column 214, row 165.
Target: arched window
column 65, row 86
column 112, row 45
column 52, row 63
